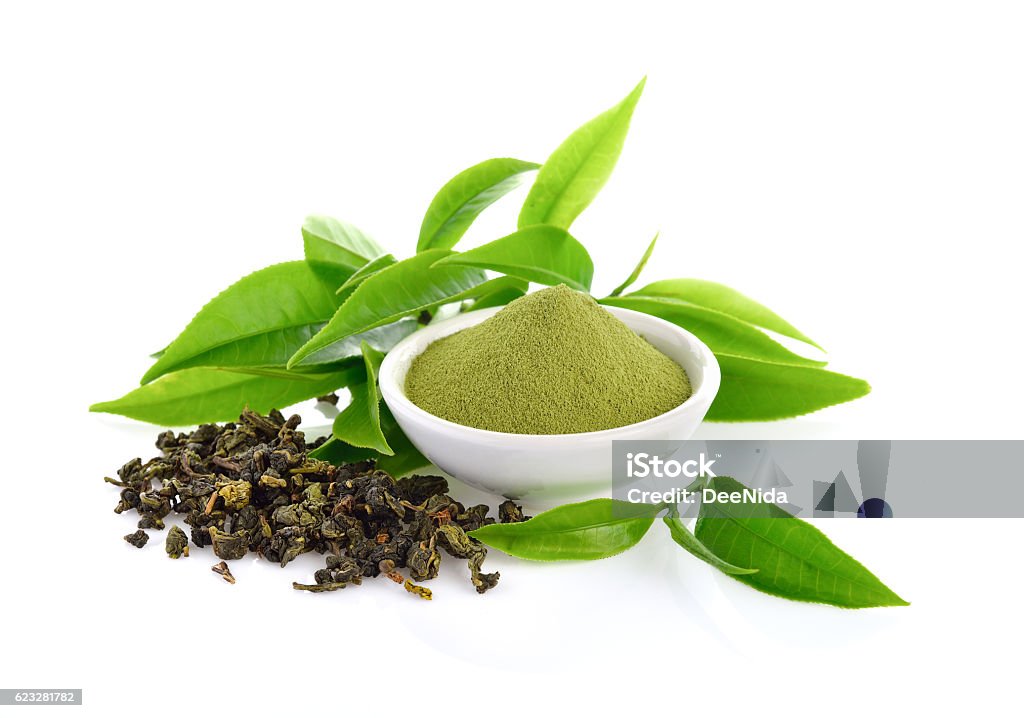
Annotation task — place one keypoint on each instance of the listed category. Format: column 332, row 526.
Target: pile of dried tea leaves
column 251, row 486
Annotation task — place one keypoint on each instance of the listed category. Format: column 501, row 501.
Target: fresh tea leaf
column 406, row 460
column 498, row 286
column 363, row 273
column 575, row 172
column 682, row 536
column 763, row 391
column 726, row 300
column 203, row 395
column 542, row 254
column 337, row 452
column 403, row 289
column 635, row 274
column 359, row 423
column 721, row 332
column 573, row 532
column 467, row 195
column 383, row 339
column 273, row 372
column 501, row 297
column 259, row 320
column 794, row 559
column 330, row 241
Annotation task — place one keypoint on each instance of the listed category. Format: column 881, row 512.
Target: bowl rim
column 392, row 391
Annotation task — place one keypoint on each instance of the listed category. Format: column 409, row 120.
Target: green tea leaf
column 330, row 241
column 364, row 272
column 575, row 172
column 542, row 254
column 259, row 320
column 337, row 452
column 496, row 287
column 273, row 372
column 201, row 395
column 726, row 300
column 359, row 423
column 763, row 391
column 682, row 536
column 722, row 333
column 467, row 195
column 406, row 460
column 635, row 274
column 794, row 559
column 501, row 297
column 383, row 339
column 574, row 532
column 403, row 289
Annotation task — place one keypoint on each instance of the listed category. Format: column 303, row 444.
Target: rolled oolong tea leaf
column 722, row 333
column 401, row 290
column 755, row 390
column 252, row 486
column 584, row 531
column 320, row 587
column 223, row 571
column 424, row 560
column 421, row 591
column 795, row 560
column 575, row 172
column 258, row 321
column 229, row 546
column 465, row 196
column 195, row 396
column 176, row 544
column 330, row 242
column 542, row 254
column 387, row 569
column 727, row 300
column 137, row 539
column 457, row 543
column 509, row 512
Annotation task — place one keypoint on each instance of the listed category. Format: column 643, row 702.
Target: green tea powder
column 552, row 362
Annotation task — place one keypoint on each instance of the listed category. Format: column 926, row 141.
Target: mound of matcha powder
column 552, row 362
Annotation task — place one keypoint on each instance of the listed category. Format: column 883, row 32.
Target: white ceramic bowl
column 544, row 468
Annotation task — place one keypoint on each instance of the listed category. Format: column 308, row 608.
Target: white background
column 855, row 166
